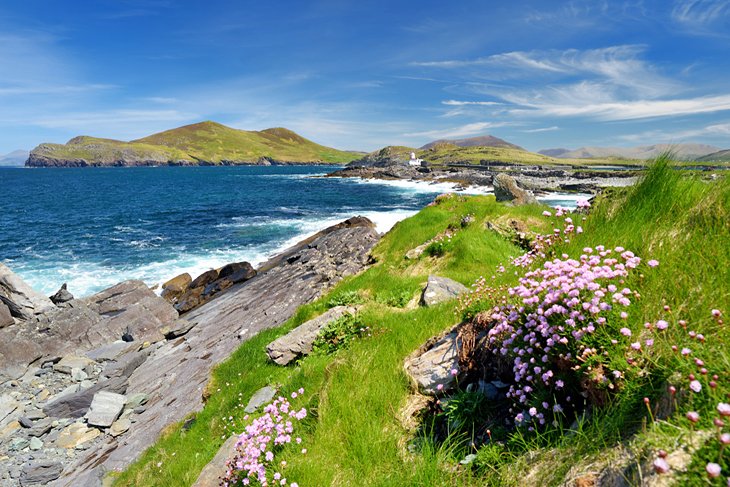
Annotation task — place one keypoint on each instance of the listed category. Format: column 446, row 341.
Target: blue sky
column 364, row 74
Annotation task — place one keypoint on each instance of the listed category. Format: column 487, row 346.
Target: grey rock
column 431, row 365
column 62, row 295
column 488, row 390
column 34, row 414
column 416, row 252
column 76, row 404
column 126, row 364
column 25, row 422
column 67, row 364
column 440, row 289
column 120, row 427
column 469, row 459
column 17, row 444
column 242, row 270
column 216, row 468
column 111, row 351
column 137, row 399
column 179, row 328
column 78, row 374
column 105, row 409
column 261, row 397
column 40, row 472
column 299, row 341
column 6, row 318
column 35, row 444
column 506, row 189
column 41, row 427
column 28, row 301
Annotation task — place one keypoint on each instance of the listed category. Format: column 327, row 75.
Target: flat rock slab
column 105, row 409
column 6, row 318
column 431, row 365
column 212, row 473
column 76, row 404
column 259, row 398
column 298, row 342
column 440, row 289
column 76, row 434
column 28, row 301
column 67, row 364
column 40, row 473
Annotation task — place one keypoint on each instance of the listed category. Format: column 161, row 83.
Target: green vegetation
column 353, row 435
column 720, row 156
column 205, row 142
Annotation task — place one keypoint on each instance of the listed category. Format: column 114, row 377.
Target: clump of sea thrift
column 254, row 462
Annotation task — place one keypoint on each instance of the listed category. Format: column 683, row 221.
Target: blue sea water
column 92, row 228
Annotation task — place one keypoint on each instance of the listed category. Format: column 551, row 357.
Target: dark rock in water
column 62, row 295
column 175, row 287
column 6, row 318
column 204, row 279
column 40, row 472
column 243, row 270
column 506, row 189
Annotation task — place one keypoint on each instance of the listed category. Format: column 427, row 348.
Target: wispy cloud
column 461, row 131
column 700, row 11
column 460, row 103
column 711, row 130
column 52, row 89
column 542, row 129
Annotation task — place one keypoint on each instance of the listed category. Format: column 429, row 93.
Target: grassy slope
column 353, row 437
column 206, row 141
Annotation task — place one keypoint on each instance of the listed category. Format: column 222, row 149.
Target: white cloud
column 542, row 129
column 461, row 131
column 713, row 130
column 700, row 11
column 459, row 103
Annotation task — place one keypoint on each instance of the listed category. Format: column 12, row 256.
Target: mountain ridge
column 480, row 140
column 14, row 159
column 688, row 151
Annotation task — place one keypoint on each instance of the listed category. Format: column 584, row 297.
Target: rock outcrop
column 22, row 301
column 206, row 286
column 175, row 373
column 62, row 295
column 430, row 367
column 506, row 189
column 299, row 341
column 440, row 289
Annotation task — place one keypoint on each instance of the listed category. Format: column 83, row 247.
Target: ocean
column 92, row 228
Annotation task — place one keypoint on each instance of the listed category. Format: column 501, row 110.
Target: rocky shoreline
column 86, row 385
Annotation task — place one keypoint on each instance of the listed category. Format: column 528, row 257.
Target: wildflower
column 695, row 386
column 713, row 470
column 533, row 411
column 625, row 332
column 304, row 451
column 661, row 466
column 693, row 416
column 725, row 438
column 454, row 372
column 636, row 346
column 624, row 315
column 662, row 325
column 652, row 263
column 724, row 408
column 686, row 351
column 440, row 387
column 546, row 213
column 716, row 313
column 649, row 342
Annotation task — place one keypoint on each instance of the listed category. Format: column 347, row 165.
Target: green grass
column 353, row 435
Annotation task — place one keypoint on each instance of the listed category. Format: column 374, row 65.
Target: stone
column 111, row 351
column 192, row 298
column 411, row 414
column 431, row 365
column 105, row 409
column 41, row 427
column 78, row 374
column 506, row 189
column 120, row 427
column 40, row 472
column 416, row 252
column 237, row 272
column 175, row 287
column 76, row 404
column 440, row 289
column 177, row 329
column 35, row 444
column 67, row 364
column 6, row 319
column 8, row 408
column 62, row 296
column 261, row 397
column 76, row 434
column 216, row 468
column 27, row 301
column 136, row 400
column 299, row 341
column 17, row 444
column 9, row 428
column 204, row 279
column 25, row 422
column 125, row 365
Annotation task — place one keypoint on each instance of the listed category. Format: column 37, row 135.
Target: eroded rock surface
column 440, row 289
column 507, row 189
column 431, row 365
column 22, row 300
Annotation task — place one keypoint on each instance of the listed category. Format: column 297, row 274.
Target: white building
column 414, row 161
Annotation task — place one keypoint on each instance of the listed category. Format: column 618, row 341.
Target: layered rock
column 22, row 301
column 440, row 289
column 507, row 189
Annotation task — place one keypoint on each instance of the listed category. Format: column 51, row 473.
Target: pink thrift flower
column 716, row 313
column 454, row 372
column 652, row 263
column 724, row 409
column 686, row 351
column 725, row 438
column 649, row 342
column 695, row 386
column 661, row 466
column 713, row 470
column 636, row 346
column 662, row 325
column 693, row 416
column 440, row 387
column 546, row 213
column 625, row 332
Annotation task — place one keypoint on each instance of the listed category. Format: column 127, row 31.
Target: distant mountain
column 15, row 158
column 719, row 156
column 204, row 143
column 681, row 151
column 481, row 141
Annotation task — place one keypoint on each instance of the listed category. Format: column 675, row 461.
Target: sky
column 364, row 74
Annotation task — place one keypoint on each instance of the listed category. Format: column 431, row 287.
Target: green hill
column 205, row 143
column 720, row 156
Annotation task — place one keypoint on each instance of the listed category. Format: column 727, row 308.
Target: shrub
column 344, row 298
column 338, row 334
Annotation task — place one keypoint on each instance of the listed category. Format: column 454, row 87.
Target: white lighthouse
column 414, row 161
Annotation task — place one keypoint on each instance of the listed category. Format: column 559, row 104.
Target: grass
column 207, row 142
column 353, row 435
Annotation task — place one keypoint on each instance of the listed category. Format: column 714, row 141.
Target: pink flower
column 693, row 416
column 686, row 351
column 662, row 325
column 546, row 213
column 713, row 470
column 636, row 346
column 724, row 408
column 454, row 372
column 625, row 332
column 440, row 387
column 695, row 386
column 652, row 263
column 725, row 438
column 661, row 466
column 624, row 315
column 716, row 313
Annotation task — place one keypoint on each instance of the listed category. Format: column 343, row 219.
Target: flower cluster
column 544, row 332
column 256, row 447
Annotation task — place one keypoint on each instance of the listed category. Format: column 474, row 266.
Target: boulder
column 76, row 404
column 431, row 365
column 261, row 397
column 125, row 364
column 242, row 270
column 506, row 189
column 40, row 472
column 216, row 468
column 62, row 295
column 68, row 363
column 416, row 252
column 105, row 409
column 299, row 341
column 175, row 287
column 27, row 301
column 440, row 289
column 192, row 298
column 120, row 427
column 76, row 434
column 6, row 319
column 204, row 279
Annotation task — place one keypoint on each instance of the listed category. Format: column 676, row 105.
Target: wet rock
column 175, row 287
column 62, row 295
column 506, row 189
column 6, row 319
column 105, row 409
column 40, row 472
column 76, row 434
column 26, row 302
column 216, row 468
column 299, row 341
column 431, row 365
column 261, row 397
column 440, row 289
